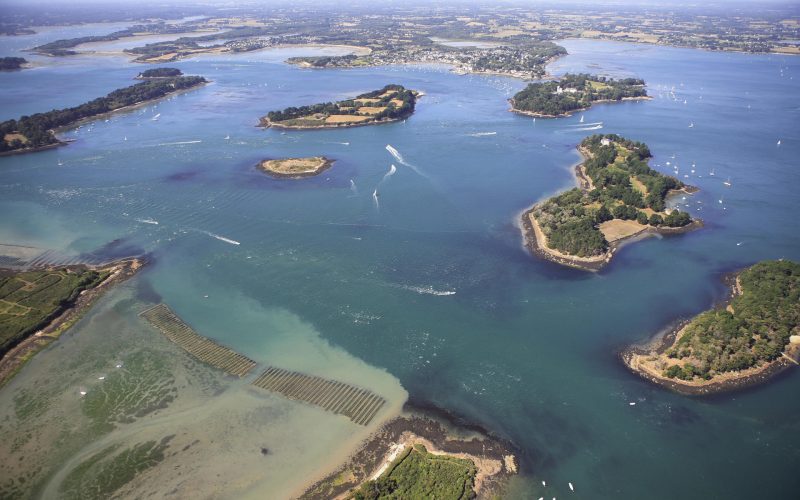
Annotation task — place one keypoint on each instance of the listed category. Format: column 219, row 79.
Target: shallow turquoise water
column 524, row 347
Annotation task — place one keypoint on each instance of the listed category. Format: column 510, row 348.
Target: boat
column 728, row 182
column 227, row 137
column 125, row 138
column 779, row 142
column 60, row 162
column 155, row 118
column 581, row 121
column 691, row 124
column 711, row 173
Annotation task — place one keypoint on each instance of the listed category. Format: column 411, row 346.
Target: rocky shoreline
column 632, row 357
column 436, row 428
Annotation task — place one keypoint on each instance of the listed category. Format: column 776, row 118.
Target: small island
column 389, row 104
column 620, row 198
column 574, row 93
column 36, row 132
column 159, row 73
column 751, row 337
column 37, row 305
column 12, row 63
column 295, row 168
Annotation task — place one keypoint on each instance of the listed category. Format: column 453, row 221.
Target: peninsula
column 295, row 168
column 389, row 104
column 422, row 454
column 574, row 93
column 37, row 306
column 36, row 132
column 620, row 198
column 751, row 337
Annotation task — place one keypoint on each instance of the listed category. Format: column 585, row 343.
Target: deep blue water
column 523, row 347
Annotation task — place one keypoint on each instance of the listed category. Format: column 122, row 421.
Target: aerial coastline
column 660, row 360
column 78, row 300
column 495, row 460
column 599, row 223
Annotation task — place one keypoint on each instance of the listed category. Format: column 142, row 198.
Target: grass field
column 29, row 300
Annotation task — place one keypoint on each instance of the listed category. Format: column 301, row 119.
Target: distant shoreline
column 64, row 142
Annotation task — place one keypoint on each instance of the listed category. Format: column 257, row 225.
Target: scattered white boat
column 691, row 124
column 227, row 137
column 581, row 119
column 727, row 182
column 155, row 118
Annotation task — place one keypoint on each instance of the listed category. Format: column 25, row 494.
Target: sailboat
column 779, row 142
column 581, row 121
column 60, row 162
column 728, row 182
column 691, row 124
column 227, row 137
column 155, row 118
column 711, row 173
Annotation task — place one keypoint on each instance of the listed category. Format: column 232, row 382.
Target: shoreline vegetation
column 390, row 104
column 398, row 459
column 619, row 200
column 295, row 168
column 746, row 340
column 573, row 93
column 37, row 132
column 40, row 305
column 156, row 73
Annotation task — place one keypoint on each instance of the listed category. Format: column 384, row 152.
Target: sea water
column 432, row 290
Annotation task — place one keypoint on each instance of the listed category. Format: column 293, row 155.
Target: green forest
column 577, row 92
column 570, row 220
column 351, row 107
column 29, row 300
column 37, row 130
column 764, row 316
column 416, row 473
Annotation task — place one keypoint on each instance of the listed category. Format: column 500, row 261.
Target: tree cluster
column 544, row 98
column 755, row 330
column 37, row 129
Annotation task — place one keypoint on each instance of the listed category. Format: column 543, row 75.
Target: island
column 12, row 63
column 620, row 198
column 574, row 93
column 37, row 132
column 295, row 168
column 389, row 104
column 159, row 73
column 751, row 337
column 38, row 305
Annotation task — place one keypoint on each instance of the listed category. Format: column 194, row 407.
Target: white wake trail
column 221, row 238
column 402, row 161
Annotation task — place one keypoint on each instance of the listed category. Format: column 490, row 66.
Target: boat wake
column 482, row 134
column 583, row 129
column 147, row 221
column 391, row 172
column 402, row 161
column 428, row 290
column 179, row 143
column 583, row 125
column 221, row 238
column 353, row 187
